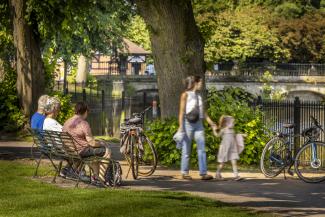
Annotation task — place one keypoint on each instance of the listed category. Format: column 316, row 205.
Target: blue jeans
column 196, row 131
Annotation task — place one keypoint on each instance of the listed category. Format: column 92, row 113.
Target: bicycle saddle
column 135, row 120
column 289, row 126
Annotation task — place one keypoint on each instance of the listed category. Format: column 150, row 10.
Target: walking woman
column 191, row 115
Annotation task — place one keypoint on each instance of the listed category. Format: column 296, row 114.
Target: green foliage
column 268, row 91
column 50, row 64
column 71, row 78
column 230, row 101
column 322, row 3
column 67, row 108
column 242, row 35
column 91, row 81
column 289, row 10
column 304, row 37
column 137, row 32
column 234, row 102
column 74, row 27
column 257, row 30
column 11, row 117
column 7, row 50
column 161, row 134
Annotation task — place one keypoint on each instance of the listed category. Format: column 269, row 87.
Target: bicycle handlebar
column 143, row 112
column 316, row 123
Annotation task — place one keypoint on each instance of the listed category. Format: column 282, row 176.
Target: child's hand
column 215, row 131
column 243, row 134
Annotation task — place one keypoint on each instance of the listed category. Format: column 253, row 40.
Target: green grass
column 22, row 196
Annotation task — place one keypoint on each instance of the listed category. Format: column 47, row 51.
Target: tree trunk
column 30, row 68
column 83, row 69
column 177, row 48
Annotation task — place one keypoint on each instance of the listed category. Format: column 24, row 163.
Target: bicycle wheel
column 273, row 158
column 147, row 157
column 113, row 174
column 310, row 162
column 134, row 155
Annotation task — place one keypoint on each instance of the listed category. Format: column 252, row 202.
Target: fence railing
column 276, row 69
column 109, row 68
column 297, row 111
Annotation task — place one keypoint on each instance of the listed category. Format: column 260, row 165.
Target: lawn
column 22, row 196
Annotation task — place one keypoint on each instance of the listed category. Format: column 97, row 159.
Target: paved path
column 290, row 197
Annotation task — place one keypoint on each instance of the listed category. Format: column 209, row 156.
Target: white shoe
column 218, row 176
column 237, row 178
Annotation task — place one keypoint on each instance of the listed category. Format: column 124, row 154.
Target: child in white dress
column 228, row 150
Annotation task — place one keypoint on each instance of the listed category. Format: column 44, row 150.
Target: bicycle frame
column 289, row 147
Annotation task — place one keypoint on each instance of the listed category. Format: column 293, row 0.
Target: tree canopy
column 254, row 30
column 242, row 34
column 73, row 27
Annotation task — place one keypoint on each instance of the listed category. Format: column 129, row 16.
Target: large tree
column 304, row 37
column 30, row 69
column 67, row 27
column 79, row 28
column 177, row 47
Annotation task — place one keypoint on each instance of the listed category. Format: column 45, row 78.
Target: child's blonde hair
column 224, row 121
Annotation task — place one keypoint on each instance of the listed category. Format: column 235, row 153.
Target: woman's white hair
column 52, row 105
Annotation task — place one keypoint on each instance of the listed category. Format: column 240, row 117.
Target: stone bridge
column 305, row 87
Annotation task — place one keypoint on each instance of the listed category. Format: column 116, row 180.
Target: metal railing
column 298, row 112
column 276, row 69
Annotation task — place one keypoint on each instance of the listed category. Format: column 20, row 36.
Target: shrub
column 235, row 102
column 289, row 10
column 161, row 133
column 268, row 91
column 11, row 117
column 67, row 108
column 91, row 81
column 230, row 101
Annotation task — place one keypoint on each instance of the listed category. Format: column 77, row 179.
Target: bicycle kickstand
column 127, row 175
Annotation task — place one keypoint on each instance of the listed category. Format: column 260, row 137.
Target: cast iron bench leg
column 38, row 163
column 57, row 171
column 80, row 169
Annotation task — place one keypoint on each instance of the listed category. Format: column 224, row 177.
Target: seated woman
column 79, row 129
column 52, row 109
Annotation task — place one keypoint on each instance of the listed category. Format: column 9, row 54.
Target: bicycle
column 139, row 151
column 309, row 161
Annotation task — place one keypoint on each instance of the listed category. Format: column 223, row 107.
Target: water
column 107, row 121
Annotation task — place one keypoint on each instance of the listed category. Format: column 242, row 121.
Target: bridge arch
column 305, row 95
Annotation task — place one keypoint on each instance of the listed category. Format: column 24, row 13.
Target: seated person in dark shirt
column 38, row 118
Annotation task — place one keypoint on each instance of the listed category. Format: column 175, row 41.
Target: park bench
column 60, row 147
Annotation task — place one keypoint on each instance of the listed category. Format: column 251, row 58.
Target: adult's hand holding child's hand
column 215, row 131
column 243, row 134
